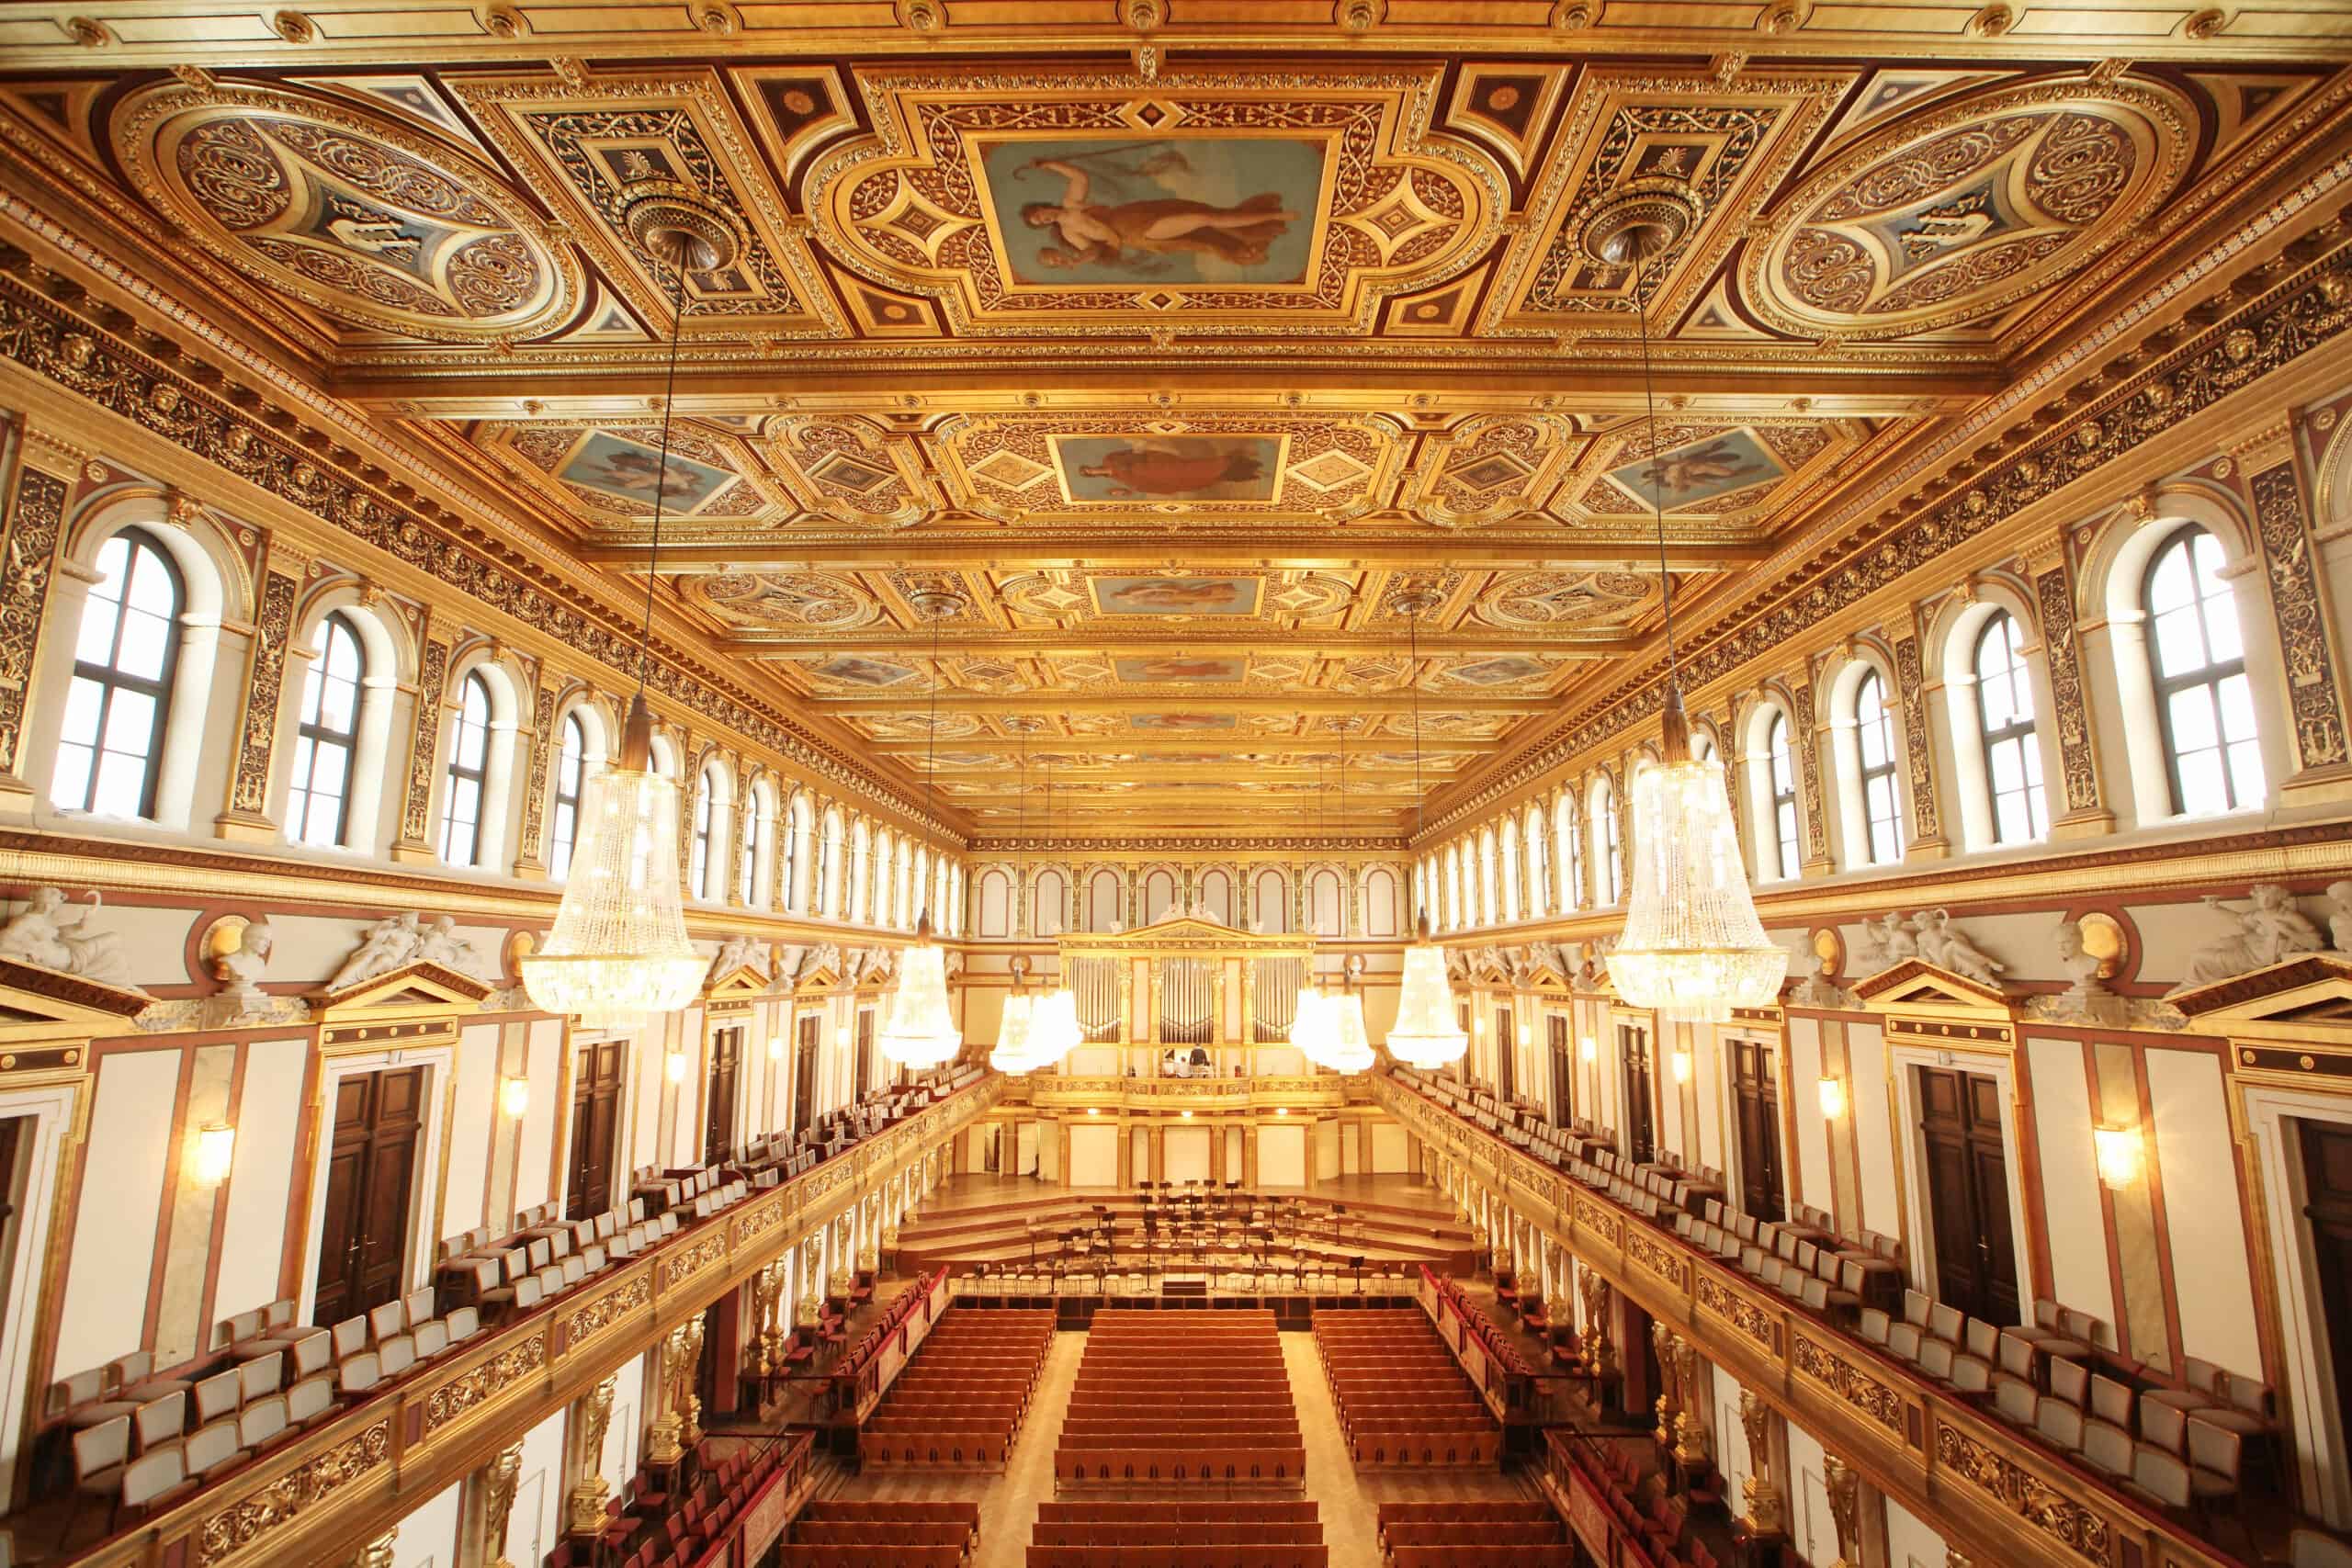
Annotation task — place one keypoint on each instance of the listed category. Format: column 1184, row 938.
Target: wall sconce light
column 676, row 1066
column 1281, row 1109
column 1591, row 1050
column 216, row 1149
column 1187, row 1116
column 1095, row 1110
column 2119, row 1155
column 514, row 1097
column 775, row 1047
column 1682, row 1066
column 1833, row 1098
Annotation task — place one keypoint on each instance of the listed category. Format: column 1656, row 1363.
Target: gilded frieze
column 602, row 1312
column 249, row 1519
column 2295, row 599
column 1720, row 1300
column 29, row 537
column 1833, row 1371
column 2082, row 1531
column 484, row 1382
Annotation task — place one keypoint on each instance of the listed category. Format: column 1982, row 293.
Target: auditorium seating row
column 877, row 1534
column 1643, row 1507
column 1402, row 1398
column 1513, row 1534
column 1228, row 1534
column 1181, row 1396
column 648, row 1527
column 959, row 1402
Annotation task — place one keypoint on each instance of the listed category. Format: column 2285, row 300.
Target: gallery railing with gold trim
column 1998, row 1497
column 357, row 1476
column 1267, row 1092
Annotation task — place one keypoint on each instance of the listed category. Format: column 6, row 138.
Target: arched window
column 1452, row 886
column 1486, row 877
column 755, row 847
column 1049, row 904
column 861, row 840
column 110, row 752
column 1881, row 796
column 1269, row 900
column 798, row 820
column 326, row 736
column 906, row 884
column 698, row 873
column 1610, row 875
column 2005, row 724
column 2204, row 704
column 1537, row 872
column 878, row 904
column 571, row 773
column 1567, row 852
column 921, row 900
column 1780, row 773
column 1508, row 903
column 469, row 774
column 829, row 866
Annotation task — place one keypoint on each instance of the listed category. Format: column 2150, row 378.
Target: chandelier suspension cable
column 662, row 469
column 1413, row 686
column 1657, row 501
column 930, row 757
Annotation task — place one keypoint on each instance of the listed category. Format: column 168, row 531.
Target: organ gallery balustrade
column 1998, row 1499
column 1264, row 1092
column 358, row 1474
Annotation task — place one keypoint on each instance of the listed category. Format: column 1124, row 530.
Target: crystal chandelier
column 1015, row 1051
column 1425, row 1035
column 1692, row 948
column 921, row 1032
column 618, row 950
column 1346, row 1048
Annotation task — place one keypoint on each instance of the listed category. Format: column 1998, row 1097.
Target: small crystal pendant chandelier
column 618, row 950
column 921, row 1029
column 1425, row 1034
column 1347, row 1047
column 1014, row 1053
column 1692, row 948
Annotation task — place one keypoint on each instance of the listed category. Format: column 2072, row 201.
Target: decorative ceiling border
column 96, row 365
column 2287, row 320
column 1160, row 844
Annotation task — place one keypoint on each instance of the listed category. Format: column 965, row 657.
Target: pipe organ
column 1187, row 981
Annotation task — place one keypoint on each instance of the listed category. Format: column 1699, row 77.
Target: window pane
column 152, row 590
column 122, row 780
column 338, row 706
column 2192, row 719
column 70, row 787
column 2236, row 698
column 84, row 700
column 2245, row 773
column 2201, row 787
column 130, row 723
column 2180, row 643
column 96, row 643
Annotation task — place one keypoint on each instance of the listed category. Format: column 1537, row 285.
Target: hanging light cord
column 931, row 746
column 1657, row 502
column 1413, row 684
column 662, row 471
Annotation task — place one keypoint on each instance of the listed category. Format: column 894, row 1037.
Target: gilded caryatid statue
column 1845, row 1487
column 586, row 1499
column 1763, row 1498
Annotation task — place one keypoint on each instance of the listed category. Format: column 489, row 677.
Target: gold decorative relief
column 2070, row 1524
column 1848, row 1383
column 1072, row 202
column 351, row 213
column 1733, row 1308
column 482, row 1384
column 606, row 1310
column 251, row 1519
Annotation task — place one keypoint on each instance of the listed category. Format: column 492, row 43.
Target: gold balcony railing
column 1996, row 1496
column 1317, row 1091
column 316, row 1499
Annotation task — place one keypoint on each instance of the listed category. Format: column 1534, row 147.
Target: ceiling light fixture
column 618, row 950
column 1692, row 948
column 1425, row 1034
column 921, row 1032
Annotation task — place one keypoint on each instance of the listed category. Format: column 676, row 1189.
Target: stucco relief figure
column 241, row 968
column 2270, row 928
column 2078, row 964
column 390, row 942
column 49, row 934
column 739, row 952
column 1885, row 942
column 2339, row 915
column 1946, row 946
column 440, row 944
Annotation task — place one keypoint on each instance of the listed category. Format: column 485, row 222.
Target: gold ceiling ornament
column 1426, row 1034
column 619, row 950
column 920, row 1030
column 1692, row 948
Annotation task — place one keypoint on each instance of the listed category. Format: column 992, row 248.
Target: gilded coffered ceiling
column 1180, row 352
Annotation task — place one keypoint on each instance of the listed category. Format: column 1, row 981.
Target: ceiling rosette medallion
column 1492, row 468
column 789, row 600
column 851, row 469
column 1957, row 218
column 1066, row 203
column 1107, row 468
column 366, row 221
column 1534, row 600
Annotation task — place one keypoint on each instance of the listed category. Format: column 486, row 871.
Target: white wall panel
column 2195, row 1158
column 1187, row 1153
column 2070, row 1200
column 1811, row 1528
column 1327, row 1151
column 470, row 1129
column 1390, row 1144
column 1911, row 1542
column 268, row 1119
column 537, row 1133
column 1281, row 1156
column 1809, row 1158
column 428, row 1537
column 1874, row 1129
column 1093, row 1155
column 105, row 1311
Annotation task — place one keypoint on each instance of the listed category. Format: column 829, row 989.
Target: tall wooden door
column 1505, row 1055
column 595, row 1113
column 1564, row 1072
column 719, row 1119
column 803, row 1075
column 1641, row 1094
column 1968, row 1192
column 371, row 1169
column 864, row 1056
column 1756, row 1109
column 2327, row 1180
